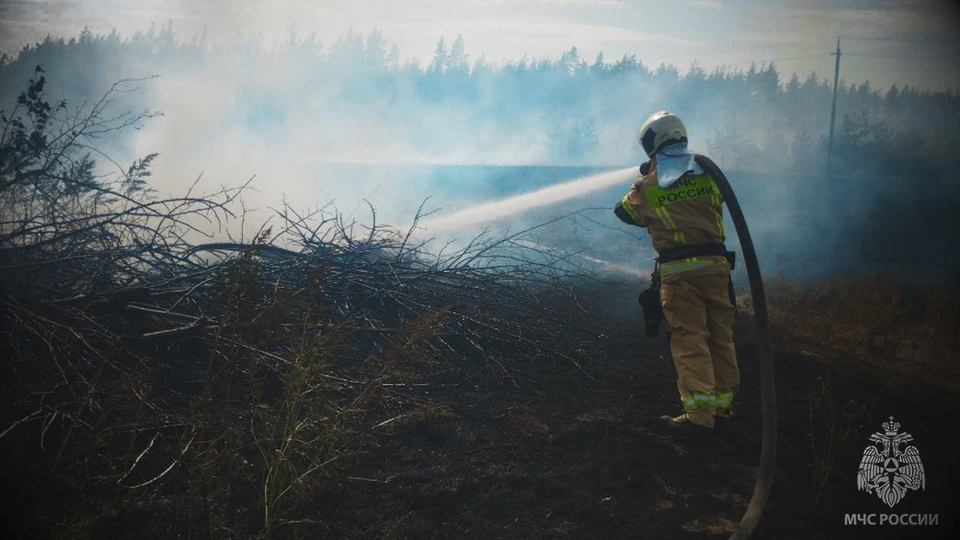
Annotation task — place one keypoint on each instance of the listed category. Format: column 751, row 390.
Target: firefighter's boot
column 683, row 427
column 722, row 424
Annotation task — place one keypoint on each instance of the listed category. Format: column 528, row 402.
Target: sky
column 883, row 41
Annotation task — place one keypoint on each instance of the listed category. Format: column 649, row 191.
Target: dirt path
column 555, row 451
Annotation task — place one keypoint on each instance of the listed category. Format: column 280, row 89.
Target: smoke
column 491, row 146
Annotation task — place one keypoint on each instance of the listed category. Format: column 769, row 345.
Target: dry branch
column 272, row 359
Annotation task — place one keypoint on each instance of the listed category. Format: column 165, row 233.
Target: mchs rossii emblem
column 889, row 468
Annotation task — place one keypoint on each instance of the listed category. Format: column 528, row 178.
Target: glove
column 645, row 168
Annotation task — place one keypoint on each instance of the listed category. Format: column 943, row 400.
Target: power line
column 784, row 59
column 910, row 58
column 934, row 40
column 766, row 60
column 756, row 48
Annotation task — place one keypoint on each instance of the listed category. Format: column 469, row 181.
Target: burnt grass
column 562, row 449
column 556, row 450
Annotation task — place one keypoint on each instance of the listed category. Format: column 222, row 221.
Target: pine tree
column 458, row 55
column 440, row 58
column 598, row 67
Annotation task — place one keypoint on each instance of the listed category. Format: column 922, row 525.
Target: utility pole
column 833, row 108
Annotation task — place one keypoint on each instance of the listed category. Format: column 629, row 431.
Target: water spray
column 768, row 445
column 493, row 210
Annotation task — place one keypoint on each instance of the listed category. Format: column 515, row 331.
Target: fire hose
column 768, row 445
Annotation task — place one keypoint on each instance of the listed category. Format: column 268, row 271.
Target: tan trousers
column 699, row 315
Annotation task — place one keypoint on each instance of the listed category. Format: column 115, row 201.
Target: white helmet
column 660, row 129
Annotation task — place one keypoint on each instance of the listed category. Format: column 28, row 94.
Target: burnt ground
column 555, row 450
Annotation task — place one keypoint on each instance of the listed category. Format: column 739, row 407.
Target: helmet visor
column 647, row 141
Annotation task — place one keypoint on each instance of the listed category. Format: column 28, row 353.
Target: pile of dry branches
column 214, row 387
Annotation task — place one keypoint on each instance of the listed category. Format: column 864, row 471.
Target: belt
column 696, row 250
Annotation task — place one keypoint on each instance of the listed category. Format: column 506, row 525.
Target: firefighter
column 681, row 208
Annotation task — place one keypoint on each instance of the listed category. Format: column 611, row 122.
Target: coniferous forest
column 561, row 110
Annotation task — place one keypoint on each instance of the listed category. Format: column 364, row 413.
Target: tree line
column 573, row 109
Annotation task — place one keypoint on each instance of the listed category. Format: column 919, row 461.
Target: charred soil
column 556, row 450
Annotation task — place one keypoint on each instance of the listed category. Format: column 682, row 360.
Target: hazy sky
column 888, row 41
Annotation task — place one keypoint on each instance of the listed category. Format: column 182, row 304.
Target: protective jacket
column 689, row 212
